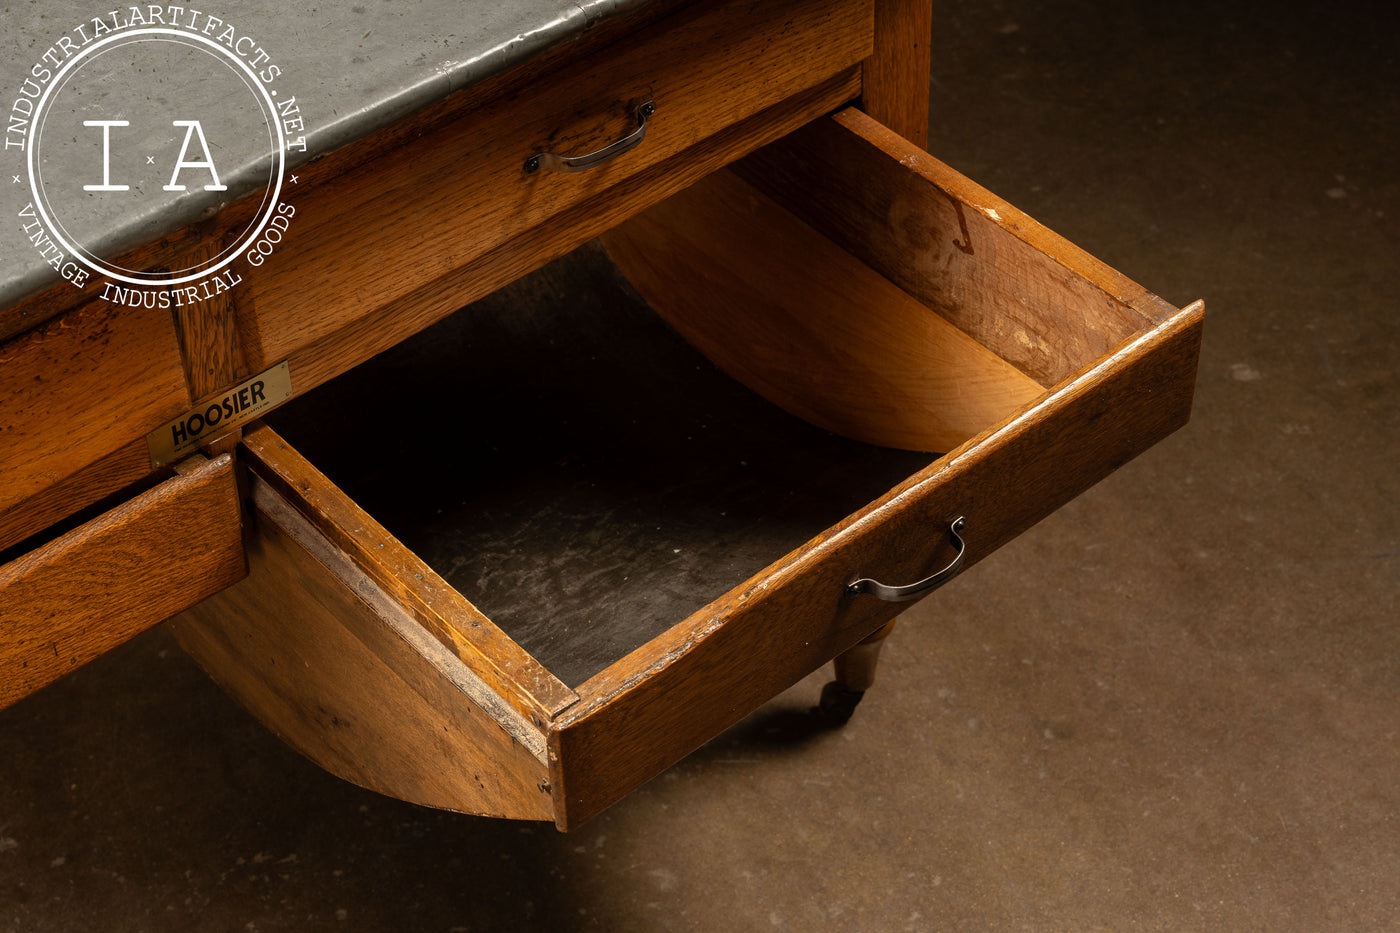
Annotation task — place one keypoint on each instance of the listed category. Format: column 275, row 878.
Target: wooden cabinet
column 969, row 365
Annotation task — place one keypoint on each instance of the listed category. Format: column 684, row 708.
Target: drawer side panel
column 794, row 317
column 321, row 655
column 411, row 584
column 1034, row 298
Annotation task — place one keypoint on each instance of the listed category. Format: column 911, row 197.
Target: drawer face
column 148, row 558
column 826, row 333
column 370, row 240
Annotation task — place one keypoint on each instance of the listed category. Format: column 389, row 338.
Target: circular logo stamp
column 141, row 121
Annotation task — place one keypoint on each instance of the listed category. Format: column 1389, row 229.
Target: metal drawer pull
column 583, row 163
column 900, row 594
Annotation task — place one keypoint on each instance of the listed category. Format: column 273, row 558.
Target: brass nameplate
column 220, row 415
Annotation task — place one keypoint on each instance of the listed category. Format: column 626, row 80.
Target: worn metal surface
column 353, row 69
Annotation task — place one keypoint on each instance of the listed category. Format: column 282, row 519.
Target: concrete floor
column 1173, row 705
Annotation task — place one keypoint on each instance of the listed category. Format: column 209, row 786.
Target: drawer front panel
column 102, row 583
column 373, row 236
column 653, row 708
column 362, row 337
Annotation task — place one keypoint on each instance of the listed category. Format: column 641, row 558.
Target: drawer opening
column 82, row 516
column 570, row 465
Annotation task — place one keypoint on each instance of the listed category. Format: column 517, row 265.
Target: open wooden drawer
column 98, row 582
column 590, row 553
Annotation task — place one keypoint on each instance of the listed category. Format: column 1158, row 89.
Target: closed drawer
column 378, row 253
column 87, row 591
column 609, row 552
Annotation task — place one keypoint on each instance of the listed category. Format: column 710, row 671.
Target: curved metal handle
column 583, row 163
column 900, row 594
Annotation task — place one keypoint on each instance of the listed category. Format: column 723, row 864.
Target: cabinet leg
column 855, row 670
column 855, row 673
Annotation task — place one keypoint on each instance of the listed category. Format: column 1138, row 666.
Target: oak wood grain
column 896, row 76
column 657, row 705
column 329, row 661
column 210, row 345
column 803, row 323
column 81, row 386
column 127, row 465
column 362, row 338
column 1040, row 302
column 65, row 479
column 407, row 580
column 465, row 191
column 208, row 334
column 147, row 559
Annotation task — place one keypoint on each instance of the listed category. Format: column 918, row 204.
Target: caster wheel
column 837, row 704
